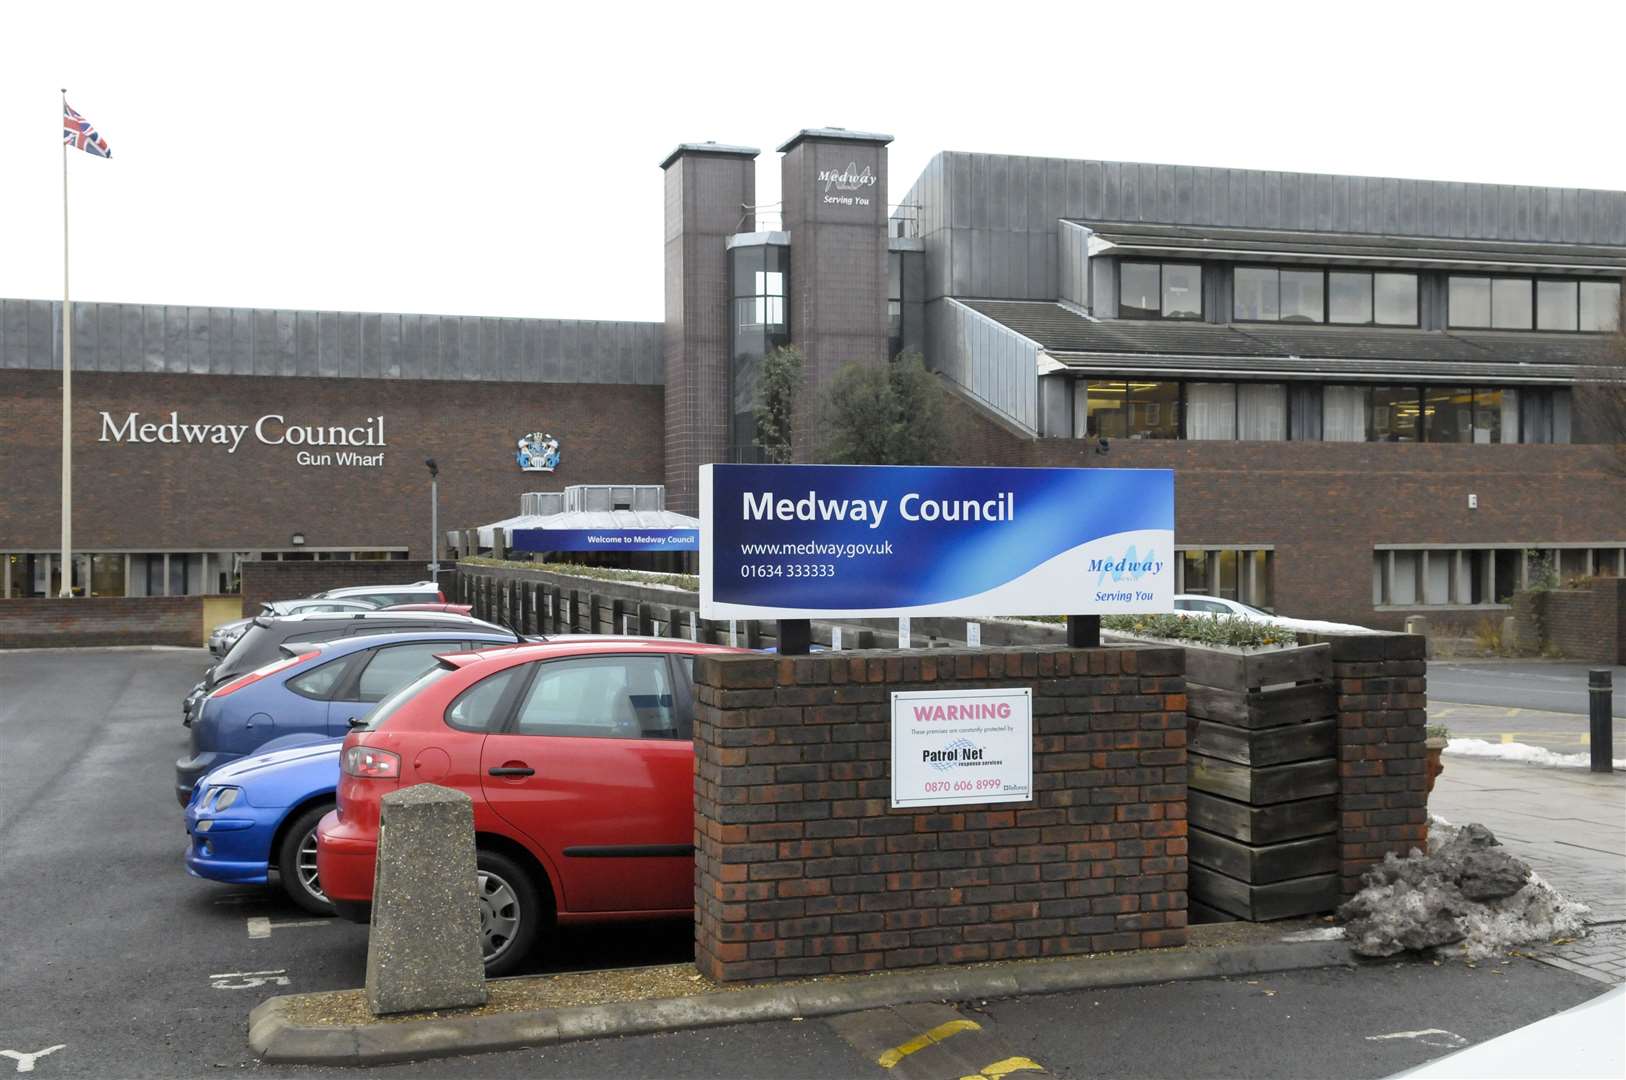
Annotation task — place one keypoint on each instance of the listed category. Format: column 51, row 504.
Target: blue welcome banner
column 605, row 540
column 823, row 541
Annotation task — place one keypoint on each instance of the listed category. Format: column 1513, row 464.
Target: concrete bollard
column 424, row 949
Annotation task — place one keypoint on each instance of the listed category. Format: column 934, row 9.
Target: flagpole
column 67, row 386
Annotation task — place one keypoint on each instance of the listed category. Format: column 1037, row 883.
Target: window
column 395, row 665
column 1600, row 306
column 1544, row 416
column 1557, row 305
column 476, row 709
column 318, row 682
column 1392, row 415
column 1468, row 301
column 1349, row 298
column 1440, row 576
column 1256, row 411
column 1211, row 411
column 1254, row 295
column 1241, row 574
column 1261, row 411
column 1448, row 414
column 1160, row 290
column 1343, row 413
column 606, row 697
column 1304, row 412
column 1394, row 299
column 1511, row 303
column 894, row 303
column 760, row 276
column 1136, row 410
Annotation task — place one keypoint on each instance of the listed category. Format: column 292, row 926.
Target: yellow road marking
column 1507, row 737
column 921, row 1041
column 1000, row 1069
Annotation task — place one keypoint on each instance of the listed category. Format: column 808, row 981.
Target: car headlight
column 222, row 798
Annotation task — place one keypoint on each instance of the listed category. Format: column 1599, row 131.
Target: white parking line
column 260, row 927
column 249, row 980
column 25, row 1062
column 1445, row 1040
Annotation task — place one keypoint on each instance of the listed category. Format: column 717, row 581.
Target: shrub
column 597, row 573
column 1201, row 629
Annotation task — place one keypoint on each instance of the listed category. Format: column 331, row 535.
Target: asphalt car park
column 111, row 952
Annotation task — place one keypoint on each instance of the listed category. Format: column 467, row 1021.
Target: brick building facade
column 1364, row 385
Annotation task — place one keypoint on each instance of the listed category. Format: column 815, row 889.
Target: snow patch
column 1522, row 753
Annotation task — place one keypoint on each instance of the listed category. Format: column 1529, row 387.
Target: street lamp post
column 434, row 519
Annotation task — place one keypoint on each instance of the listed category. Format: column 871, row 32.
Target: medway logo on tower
column 271, row 429
column 850, row 180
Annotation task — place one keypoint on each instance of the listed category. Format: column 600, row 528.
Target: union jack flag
column 77, row 133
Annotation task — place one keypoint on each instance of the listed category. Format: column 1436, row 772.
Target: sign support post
column 795, row 637
column 1083, row 631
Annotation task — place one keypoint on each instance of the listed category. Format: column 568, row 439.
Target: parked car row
column 577, row 752
column 418, row 596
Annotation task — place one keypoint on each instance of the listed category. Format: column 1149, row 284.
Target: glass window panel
column 1561, row 416
column 1556, row 305
column 1448, row 414
column 747, row 265
column 1510, row 303
column 1261, row 411
column 1154, row 410
column 1211, row 410
column 610, row 697
column 1227, row 567
column 1343, row 413
column 1469, row 301
column 1349, row 297
column 1600, row 306
column 1254, row 297
column 394, row 667
column 1380, row 563
column 1105, row 415
column 1139, row 291
column 1488, row 412
column 1302, row 299
column 1196, row 571
column 476, row 708
column 107, row 575
column 1439, row 577
column 1304, row 412
column 1261, row 591
column 894, row 276
column 317, row 682
column 1393, row 415
column 1536, row 416
column 773, row 283
column 1182, row 291
column 1403, row 585
column 1394, row 299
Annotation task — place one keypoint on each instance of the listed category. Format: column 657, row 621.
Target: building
column 1365, row 385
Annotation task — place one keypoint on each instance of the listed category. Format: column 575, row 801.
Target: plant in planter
column 1437, row 735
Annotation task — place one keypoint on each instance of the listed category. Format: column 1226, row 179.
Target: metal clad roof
column 1242, row 244
column 1127, row 345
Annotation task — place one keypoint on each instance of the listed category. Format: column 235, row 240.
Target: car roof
column 352, row 590
column 586, row 645
column 435, row 617
column 494, row 637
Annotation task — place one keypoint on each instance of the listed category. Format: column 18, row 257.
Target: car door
column 594, row 768
column 381, row 671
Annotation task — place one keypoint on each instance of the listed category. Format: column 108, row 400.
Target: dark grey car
column 261, row 643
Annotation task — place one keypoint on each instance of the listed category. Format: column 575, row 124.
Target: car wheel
column 511, row 912
column 296, row 862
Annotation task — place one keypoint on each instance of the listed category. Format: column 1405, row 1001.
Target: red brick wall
column 802, row 867
column 1586, row 623
column 1382, row 684
column 265, row 580
column 149, row 496
column 101, row 620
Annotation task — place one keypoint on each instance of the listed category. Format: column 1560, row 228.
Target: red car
column 579, row 756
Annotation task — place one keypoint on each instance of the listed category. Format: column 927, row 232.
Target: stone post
column 424, row 949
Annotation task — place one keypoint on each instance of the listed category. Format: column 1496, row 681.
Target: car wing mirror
column 356, row 722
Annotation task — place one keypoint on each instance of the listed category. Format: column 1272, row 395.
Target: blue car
column 258, row 814
column 313, row 693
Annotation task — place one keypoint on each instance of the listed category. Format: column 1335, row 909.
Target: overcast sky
column 482, row 158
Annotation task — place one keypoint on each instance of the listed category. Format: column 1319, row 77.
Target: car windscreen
column 381, row 712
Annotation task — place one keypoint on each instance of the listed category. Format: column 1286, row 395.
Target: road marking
column 25, row 1062
column 1000, row 1069
column 250, row 979
column 1445, row 1040
column 260, row 927
column 1507, row 737
column 925, row 1039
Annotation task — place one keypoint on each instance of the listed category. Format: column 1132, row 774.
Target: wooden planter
column 1263, row 779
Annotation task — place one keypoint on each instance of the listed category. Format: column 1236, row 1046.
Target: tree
column 1600, row 400
column 889, row 415
column 778, row 379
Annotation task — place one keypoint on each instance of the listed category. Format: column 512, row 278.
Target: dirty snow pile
column 1467, row 889
column 1522, row 752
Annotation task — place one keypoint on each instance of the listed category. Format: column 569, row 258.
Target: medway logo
column 848, row 179
column 1131, row 567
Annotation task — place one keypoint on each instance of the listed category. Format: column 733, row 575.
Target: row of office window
column 1153, row 290
column 1242, row 574
column 1473, row 576
column 190, row 573
column 1315, row 412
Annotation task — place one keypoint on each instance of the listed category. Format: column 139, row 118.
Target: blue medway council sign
column 823, row 541
column 605, row 540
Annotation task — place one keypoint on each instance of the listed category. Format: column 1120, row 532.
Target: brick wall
column 1382, row 684
column 802, row 867
column 1587, row 623
column 101, row 620
column 263, row 581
